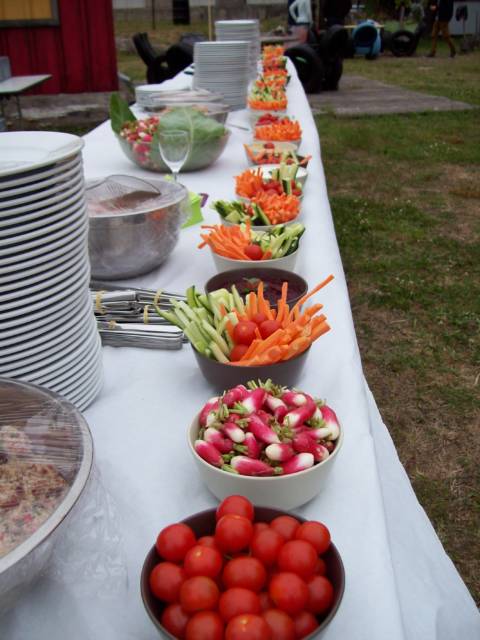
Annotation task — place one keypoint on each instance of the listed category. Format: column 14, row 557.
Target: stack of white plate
column 223, row 67
column 48, row 333
column 248, row 30
column 147, row 95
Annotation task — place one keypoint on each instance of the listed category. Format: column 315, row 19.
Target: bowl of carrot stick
column 235, row 340
column 239, row 246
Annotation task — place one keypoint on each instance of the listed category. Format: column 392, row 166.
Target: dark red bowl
column 225, row 376
column 203, row 524
column 227, row 278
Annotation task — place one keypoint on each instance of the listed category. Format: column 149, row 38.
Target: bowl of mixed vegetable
column 270, row 443
column 274, row 153
column 283, row 180
column 273, row 128
column 235, row 340
column 242, row 571
column 139, row 138
column 238, row 246
column 264, row 211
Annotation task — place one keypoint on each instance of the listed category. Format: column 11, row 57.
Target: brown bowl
column 225, row 376
column 203, row 524
column 223, row 279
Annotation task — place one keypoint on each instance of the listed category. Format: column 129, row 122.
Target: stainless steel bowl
column 135, row 238
column 60, row 437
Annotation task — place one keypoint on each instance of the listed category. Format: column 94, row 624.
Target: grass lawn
column 405, row 196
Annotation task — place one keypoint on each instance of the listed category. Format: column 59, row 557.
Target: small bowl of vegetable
column 235, row 340
column 263, row 212
column 286, row 575
column 252, row 182
column 239, row 246
column 274, row 172
column 267, row 442
column 272, row 128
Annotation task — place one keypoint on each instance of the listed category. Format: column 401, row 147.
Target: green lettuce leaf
column 120, row 112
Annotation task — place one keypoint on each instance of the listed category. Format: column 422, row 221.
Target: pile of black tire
column 402, row 43
column 319, row 62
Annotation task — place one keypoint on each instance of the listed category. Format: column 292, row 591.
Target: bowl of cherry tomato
column 240, row 572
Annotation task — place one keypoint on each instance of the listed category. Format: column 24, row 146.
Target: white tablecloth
column 400, row 583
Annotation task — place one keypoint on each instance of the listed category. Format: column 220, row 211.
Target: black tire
column 403, row 43
column 179, row 56
column 386, row 37
column 333, row 73
column 309, row 67
column 334, row 42
column 350, row 50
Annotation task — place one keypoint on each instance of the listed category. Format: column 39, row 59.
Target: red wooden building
column 73, row 40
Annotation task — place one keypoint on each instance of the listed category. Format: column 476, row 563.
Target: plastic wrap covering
column 134, row 224
column 46, row 455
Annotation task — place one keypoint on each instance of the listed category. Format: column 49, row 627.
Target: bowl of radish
column 272, row 444
column 239, row 246
column 286, row 579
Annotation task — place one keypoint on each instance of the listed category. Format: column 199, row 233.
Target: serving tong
column 126, row 317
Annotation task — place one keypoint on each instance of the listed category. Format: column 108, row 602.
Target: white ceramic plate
column 42, row 253
column 74, row 199
column 72, row 188
column 84, row 399
column 21, row 232
column 31, row 362
column 36, row 272
column 15, row 308
column 33, row 337
column 22, row 151
column 44, row 289
column 40, row 191
column 66, row 334
column 15, row 324
column 41, row 181
column 86, row 369
column 40, row 174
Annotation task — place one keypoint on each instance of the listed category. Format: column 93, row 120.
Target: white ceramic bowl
column 227, row 264
column 280, row 147
column 255, row 114
column 279, row 492
column 295, row 143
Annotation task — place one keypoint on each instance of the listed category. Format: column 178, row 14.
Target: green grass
column 405, row 197
column 457, row 79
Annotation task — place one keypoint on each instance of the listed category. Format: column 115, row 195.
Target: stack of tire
column 319, row 62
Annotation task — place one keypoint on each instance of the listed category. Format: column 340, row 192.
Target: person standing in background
column 301, row 13
column 442, row 11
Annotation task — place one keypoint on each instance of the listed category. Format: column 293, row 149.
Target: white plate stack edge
column 248, row 30
column 48, row 333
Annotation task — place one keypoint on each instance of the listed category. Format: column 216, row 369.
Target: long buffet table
column 400, row 583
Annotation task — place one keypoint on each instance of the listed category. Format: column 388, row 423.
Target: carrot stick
column 312, row 292
column 282, row 302
column 320, row 330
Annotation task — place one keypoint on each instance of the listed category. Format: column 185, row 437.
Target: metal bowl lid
column 126, row 195
column 46, row 454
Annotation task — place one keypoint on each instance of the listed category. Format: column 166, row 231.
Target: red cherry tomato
column 238, row 352
column 305, row 624
column 269, row 145
column 280, row 623
column 165, row 581
column 207, row 541
column 285, row 526
column 205, row 625
column 320, row 596
column 203, row 561
column 298, row 557
column 316, row 533
column 174, row 619
column 248, row 626
column 258, row 318
column 253, row 251
column 266, row 546
column 174, row 541
column 289, row 592
column 321, row 568
column 198, row 593
column 265, row 601
column 259, row 526
column 244, row 332
column 267, row 328
column 238, row 505
column 233, row 533
column 246, row 572
column 236, row 601
column 271, row 192
column 296, row 192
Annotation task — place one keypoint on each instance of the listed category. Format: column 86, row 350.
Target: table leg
column 20, row 116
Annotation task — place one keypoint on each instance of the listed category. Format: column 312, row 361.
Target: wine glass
column 174, row 147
